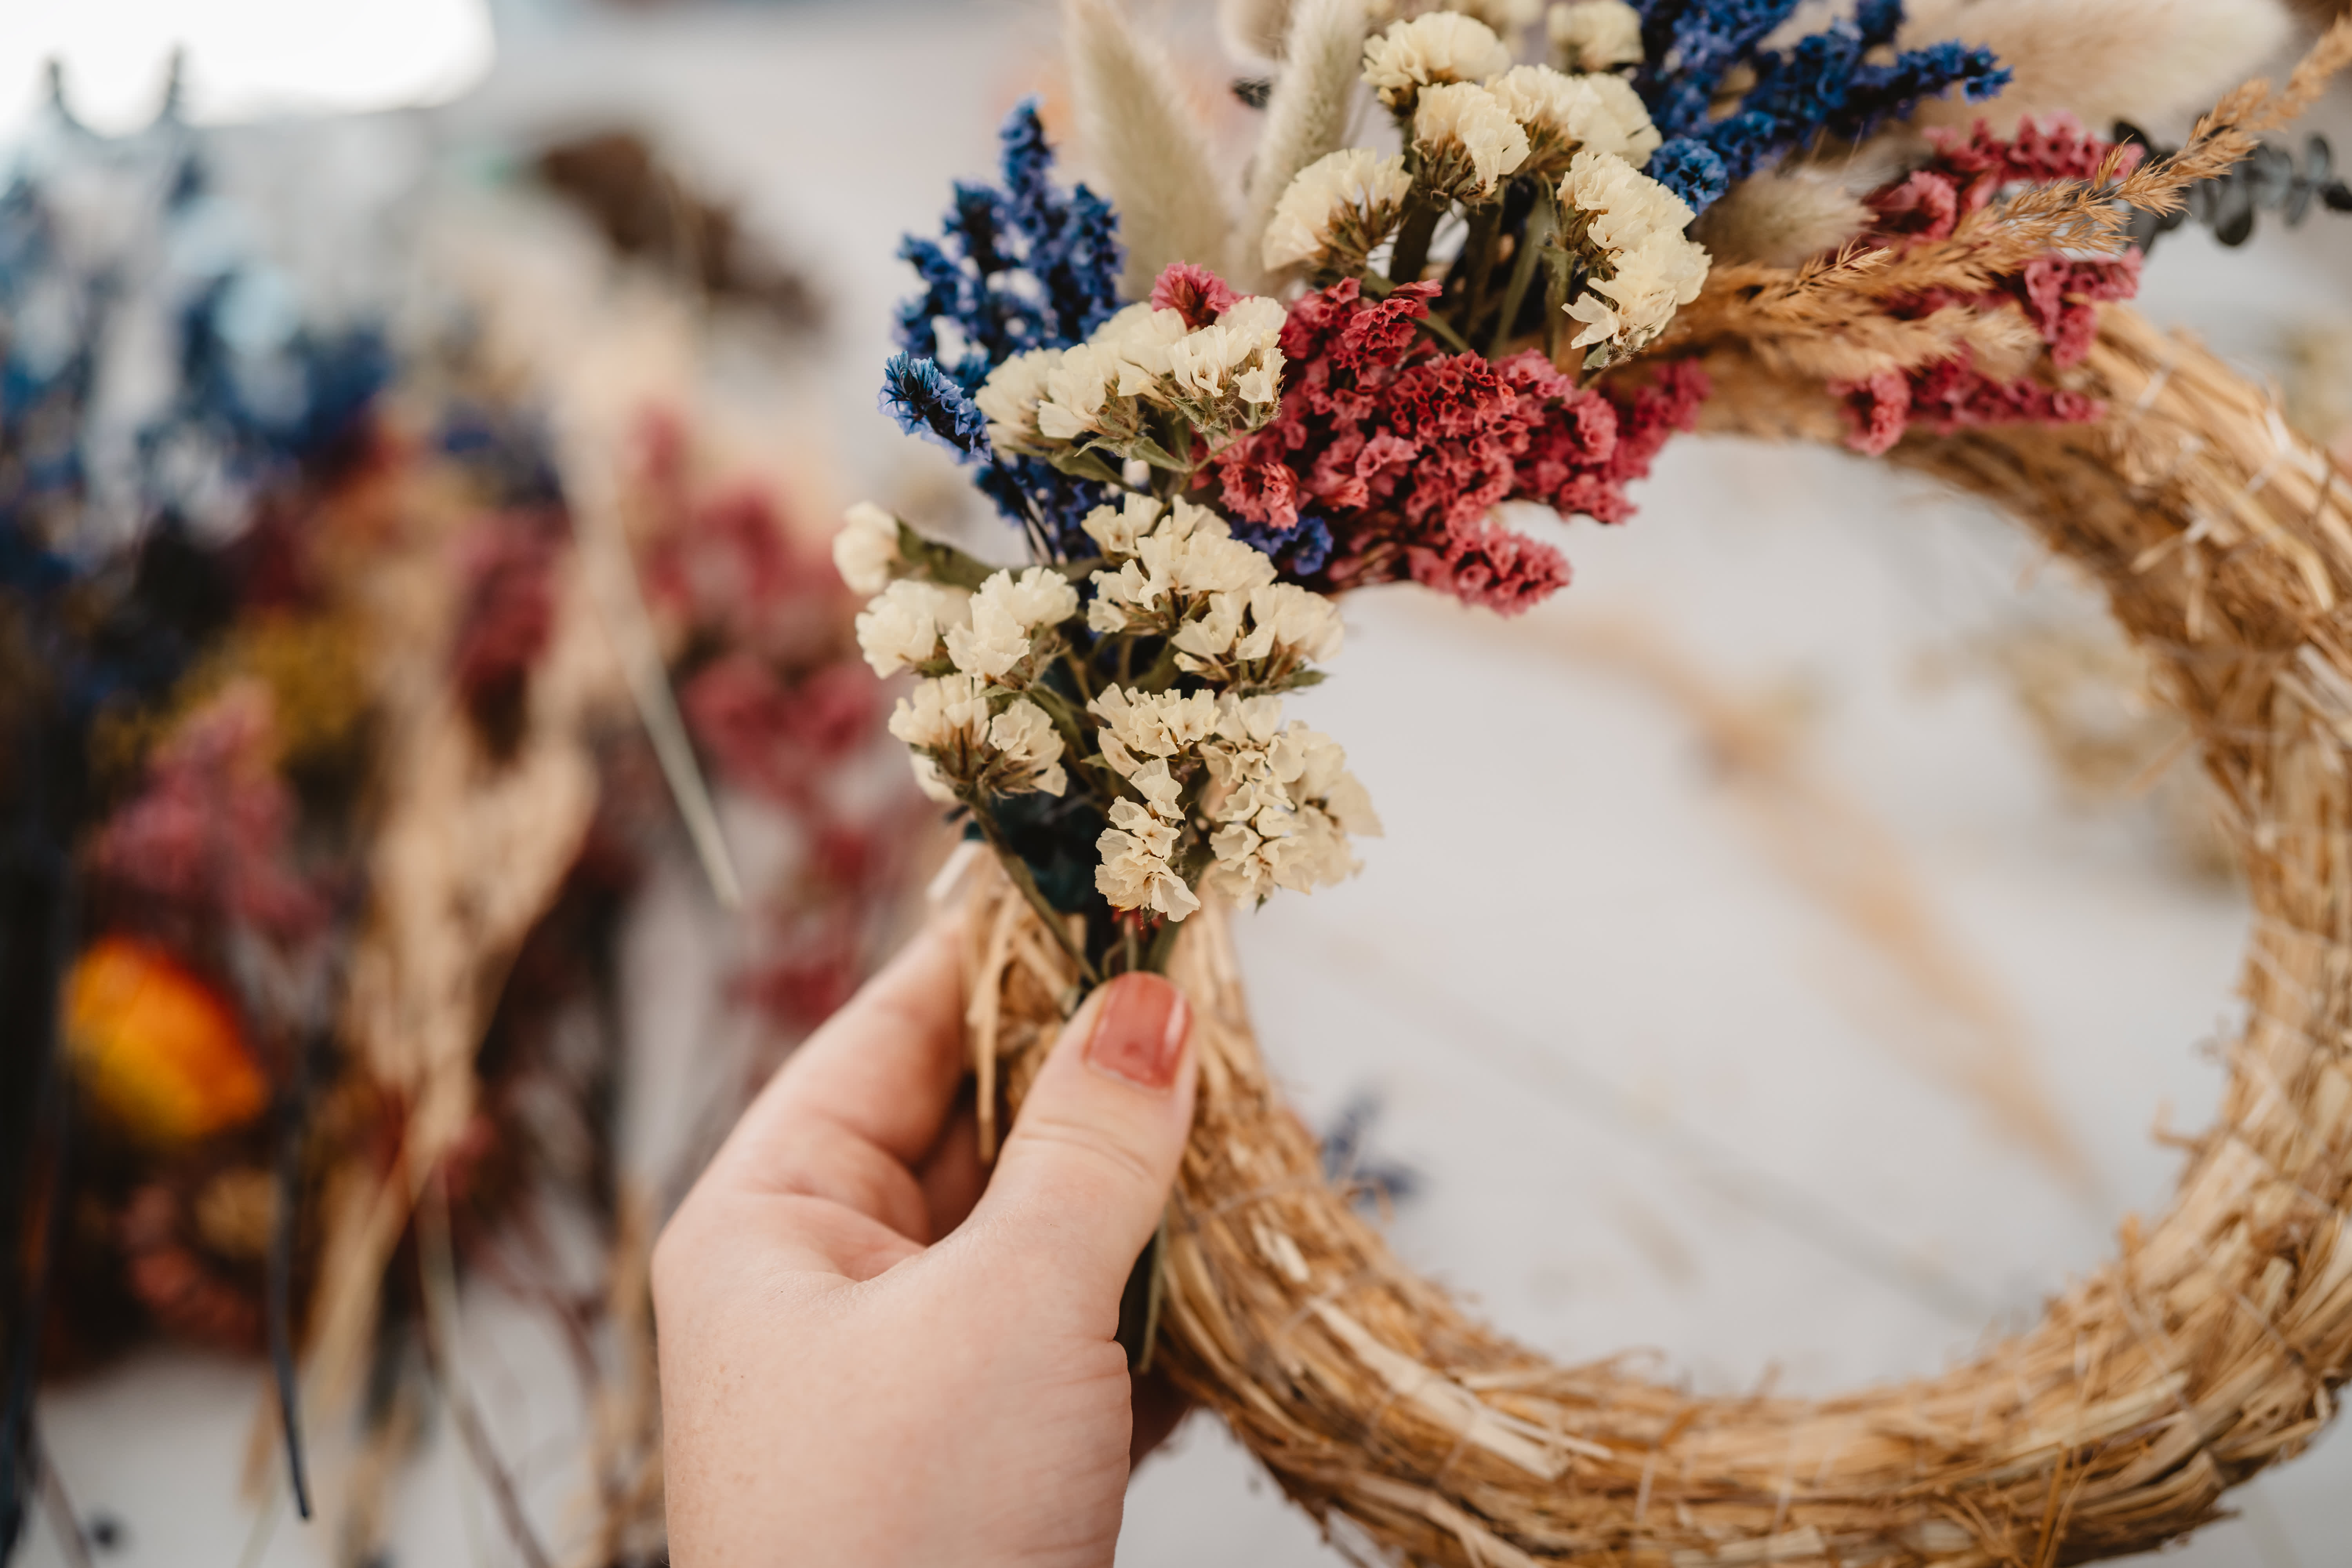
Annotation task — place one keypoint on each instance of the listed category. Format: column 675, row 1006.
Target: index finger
column 883, row 1069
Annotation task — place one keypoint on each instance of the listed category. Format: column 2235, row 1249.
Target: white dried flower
column 1010, row 397
column 1004, row 612
column 960, row 746
column 866, row 551
column 1136, row 340
column 1135, row 873
column 1467, row 139
column 1234, row 361
column 1338, row 211
column 1651, row 282
column 1283, row 802
column 1425, row 51
column 904, row 623
column 1564, row 113
column 1631, row 228
column 1138, row 726
column 1026, row 742
column 1118, row 529
column 1595, row 35
column 1288, row 619
column 1621, row 206
column 1078, row 384
column 1188, row 554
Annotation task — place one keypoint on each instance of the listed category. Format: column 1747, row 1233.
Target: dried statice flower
column 1337, row 212
column 1428, row 51
column 906, row 625
column 866, row 551
column 1283, row 803
column 1595, row 35
column 971, row 738
column 1565, row 114
column 1468, row 141
column 1644, row 268
column 1006, row 615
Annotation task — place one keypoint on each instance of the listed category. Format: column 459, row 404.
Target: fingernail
column 1140, row 1031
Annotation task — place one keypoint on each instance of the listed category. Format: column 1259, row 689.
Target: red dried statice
column 1952, row 395
column 209, row 838
column 2059, row 294
column 1405, row 451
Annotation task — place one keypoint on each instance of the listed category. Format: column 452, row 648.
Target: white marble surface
column 1659, row 1093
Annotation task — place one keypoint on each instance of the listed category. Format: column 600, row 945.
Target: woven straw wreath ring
column 2208, row 1348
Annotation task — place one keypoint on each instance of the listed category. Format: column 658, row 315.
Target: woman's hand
column 866, row 1358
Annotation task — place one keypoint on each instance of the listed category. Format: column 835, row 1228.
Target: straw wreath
column 2209, row 1348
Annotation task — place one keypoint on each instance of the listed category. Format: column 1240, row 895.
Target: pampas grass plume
column 1146, row 147
column 1783, row 218
column 2142, row 60
column 1254, row 30
column 1310, row 113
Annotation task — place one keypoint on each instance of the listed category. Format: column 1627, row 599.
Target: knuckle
column 1085, row 1144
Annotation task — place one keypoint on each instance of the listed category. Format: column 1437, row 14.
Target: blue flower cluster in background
column 1823, row 84
column 1299, row 551
column 1025, row 266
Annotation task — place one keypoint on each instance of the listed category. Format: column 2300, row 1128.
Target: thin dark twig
column 292, row 1115
column 63, row 1521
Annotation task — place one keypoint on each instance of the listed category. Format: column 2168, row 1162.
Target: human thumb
column 1085, row 1173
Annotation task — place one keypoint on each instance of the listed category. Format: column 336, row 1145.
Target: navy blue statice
column 1018, row 266
column 1300, row 550
column 1824, row 84
column 927, row 401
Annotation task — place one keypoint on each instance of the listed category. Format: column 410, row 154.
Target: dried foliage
column 1833, row 310
column 1147, row 144
column 1308, row 113
column 2207, row 1349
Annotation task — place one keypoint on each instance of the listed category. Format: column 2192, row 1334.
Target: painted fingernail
column 1138, row 1033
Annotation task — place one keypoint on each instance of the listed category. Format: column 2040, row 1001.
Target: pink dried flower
column 209, row 838
column 1952, row 395
column 1193, row 292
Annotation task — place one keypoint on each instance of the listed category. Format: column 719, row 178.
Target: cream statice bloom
column 1467, row 139
column 1595, row 35
column 1080, row 384
column 1118, row 529
column 1562, row 114
column 1169, row 572
column 1338, row 211
column 1631, row 227
column 1228, row 374
column 1136, row 340
column 866, row 551
column 1283, row 803
column 904, row 623
column 1140, row 726
column 1260, row 639
column 960, row 746
column 1010, row 397
column 1427, row 50
column 1004, row 613
column 1136, row 872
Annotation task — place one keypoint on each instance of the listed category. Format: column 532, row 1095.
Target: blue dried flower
column 1300, row 550
column 1821, row 84
column 1691, row 170
column 927, row 401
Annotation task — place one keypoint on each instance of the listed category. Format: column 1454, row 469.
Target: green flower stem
column 1411, row 253
column 1478, row 249
column 1538, row 234
column 1018, row 869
